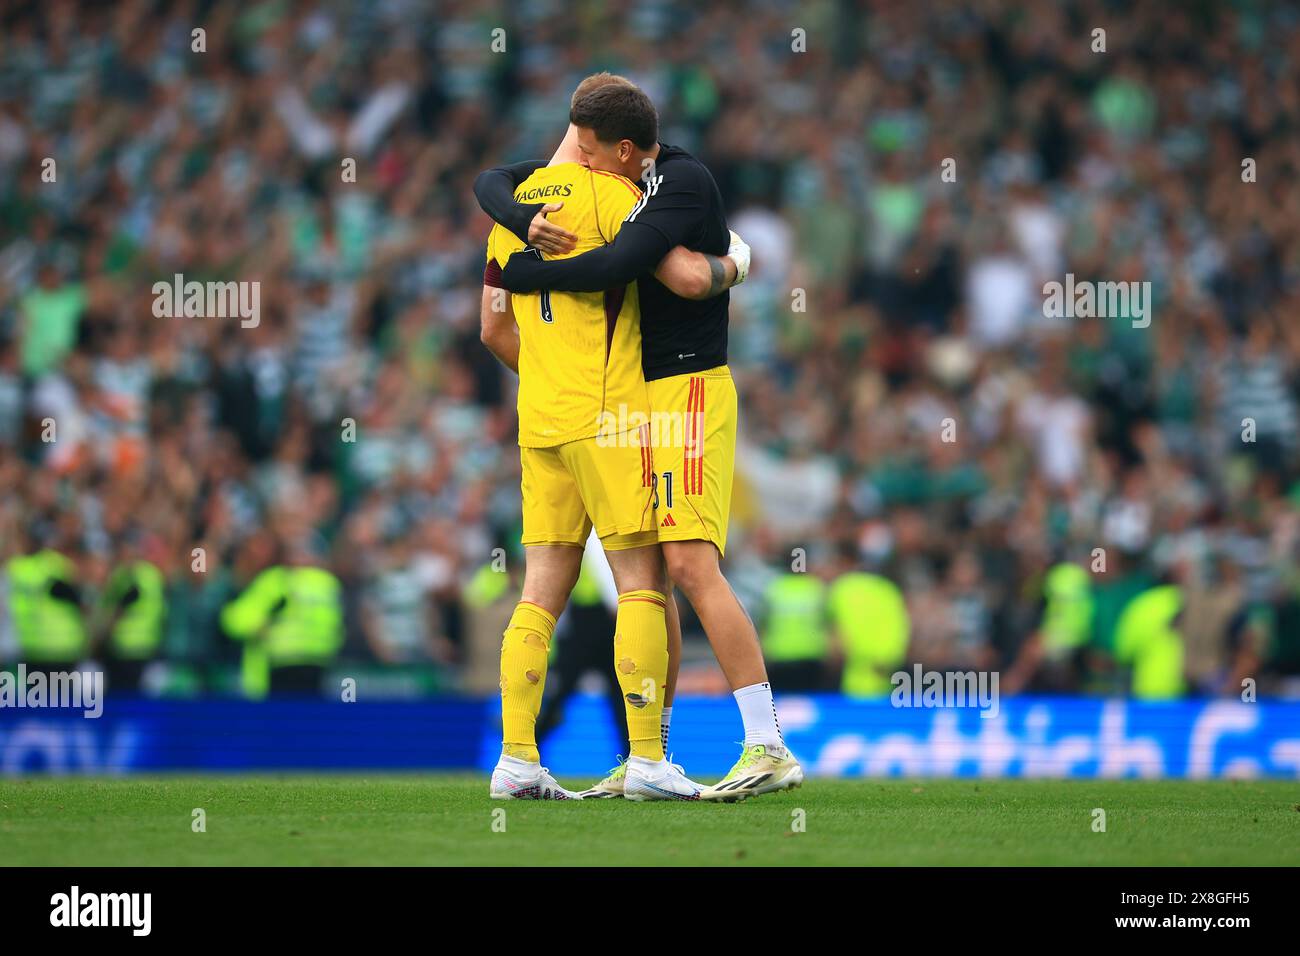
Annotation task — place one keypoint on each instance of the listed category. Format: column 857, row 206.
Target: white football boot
column 658, row 780
column 515, row 779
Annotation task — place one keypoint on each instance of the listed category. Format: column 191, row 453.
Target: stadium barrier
column 833, row 736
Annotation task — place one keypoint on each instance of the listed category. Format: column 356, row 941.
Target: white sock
column 759, row 715
column 664, row 721
column 648, row 765
column 516, row 766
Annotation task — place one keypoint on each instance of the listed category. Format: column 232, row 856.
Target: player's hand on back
column 547, row 236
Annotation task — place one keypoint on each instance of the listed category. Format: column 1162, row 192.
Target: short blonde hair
column 595, row 82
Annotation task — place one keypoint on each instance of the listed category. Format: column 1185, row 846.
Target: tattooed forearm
column 691, row 275
column 717, row 276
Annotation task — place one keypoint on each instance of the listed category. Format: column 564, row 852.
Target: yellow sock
column 524, row 650
column 641, row 662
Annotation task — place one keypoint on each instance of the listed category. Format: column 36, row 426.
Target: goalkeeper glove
column 738, row 252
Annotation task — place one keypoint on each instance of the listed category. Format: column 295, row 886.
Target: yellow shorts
column 693, row 433
column 604, row 482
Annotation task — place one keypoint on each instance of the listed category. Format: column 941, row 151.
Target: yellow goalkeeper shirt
column 579, row 352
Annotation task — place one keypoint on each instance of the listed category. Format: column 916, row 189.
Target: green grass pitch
column 448, row 820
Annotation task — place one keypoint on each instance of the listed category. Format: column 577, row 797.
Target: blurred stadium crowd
column 907, row 410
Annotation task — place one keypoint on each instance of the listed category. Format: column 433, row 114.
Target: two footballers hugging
column 618, row 313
